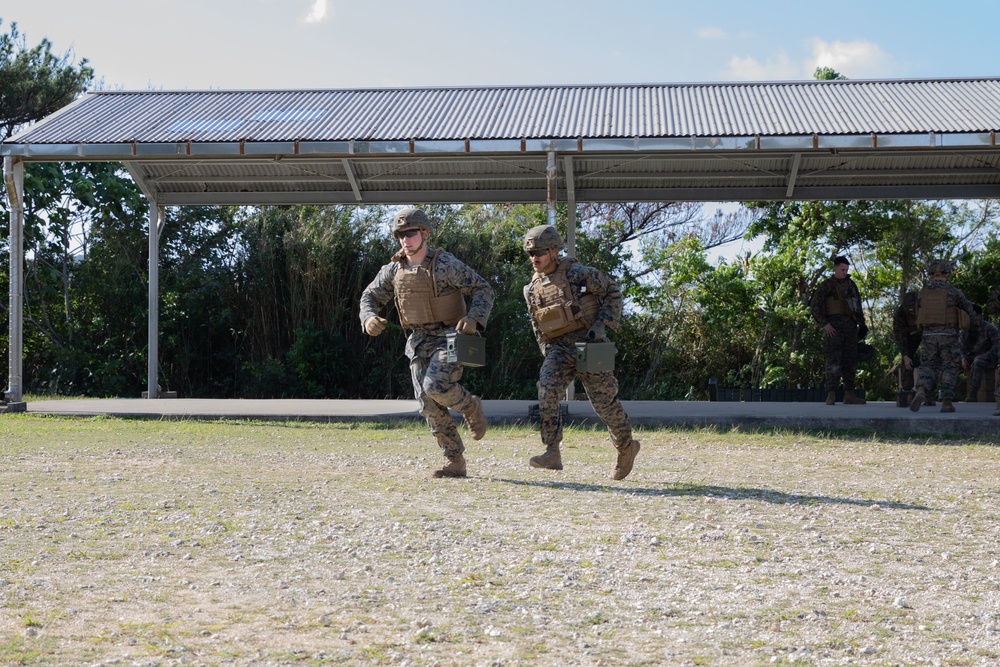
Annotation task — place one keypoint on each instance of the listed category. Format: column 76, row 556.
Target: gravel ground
column 151, row 543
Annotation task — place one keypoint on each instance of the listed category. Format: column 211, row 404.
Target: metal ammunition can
column 594, row 357
column 465, row 349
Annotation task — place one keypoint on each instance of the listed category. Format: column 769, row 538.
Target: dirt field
column 184, row 543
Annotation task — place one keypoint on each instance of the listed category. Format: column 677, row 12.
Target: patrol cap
column 411, row 217
column 543, row 237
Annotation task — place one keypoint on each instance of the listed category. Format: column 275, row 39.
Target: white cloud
column 319, row 11
column 711, row 32
column 778, row 68
column 859, row 59
column 856, row 60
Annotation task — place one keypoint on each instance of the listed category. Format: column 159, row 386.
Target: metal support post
column 13, row 171
column 156, row 218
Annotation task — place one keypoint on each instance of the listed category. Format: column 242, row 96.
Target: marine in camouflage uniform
column 981, row 353
column 939, row 308
column 435, row 380
column 836, row 306
column 993, row 306
column 571, row 303
column 907, row 336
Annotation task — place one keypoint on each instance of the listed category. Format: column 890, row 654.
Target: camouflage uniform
column 559, row 367
column 940, row 347
column 981, row 353
column 993, row 304
column 907, row 336
column 841, row 351
column 435, row 380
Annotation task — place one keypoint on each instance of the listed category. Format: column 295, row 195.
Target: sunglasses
column 407, row 233
column 538, row 253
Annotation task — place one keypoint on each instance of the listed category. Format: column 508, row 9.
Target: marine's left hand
column 596, row 333
column 467, row 325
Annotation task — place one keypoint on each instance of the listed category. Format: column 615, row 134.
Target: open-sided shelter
column 818, row 140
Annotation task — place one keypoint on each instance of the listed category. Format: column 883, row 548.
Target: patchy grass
column 248, row 543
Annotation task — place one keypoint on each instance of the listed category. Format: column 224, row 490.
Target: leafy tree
column 35, row 82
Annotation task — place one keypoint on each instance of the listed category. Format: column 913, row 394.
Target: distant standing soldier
column 572, row 303
column 993, row 306
column 981, row 353
column 906, row 333
column 430, row 286
column 942, row 311
column 836, row 306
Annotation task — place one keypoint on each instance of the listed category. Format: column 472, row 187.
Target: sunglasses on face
column 407, row 233
column 538, row 253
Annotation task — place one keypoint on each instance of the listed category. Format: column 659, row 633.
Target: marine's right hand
column 375, row 325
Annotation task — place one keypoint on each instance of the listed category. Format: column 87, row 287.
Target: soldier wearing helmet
column 836, row 306
column 571, row 303
column 980, row 353
column 906, row 333
column 993, row 306
column 430, row 288
column 942, row 312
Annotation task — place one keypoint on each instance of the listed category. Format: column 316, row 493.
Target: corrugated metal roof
column 614, row 111
column 709, row 142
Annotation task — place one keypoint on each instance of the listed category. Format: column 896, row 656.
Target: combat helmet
column 938, row 266
column 542, row 237
column 411, row 217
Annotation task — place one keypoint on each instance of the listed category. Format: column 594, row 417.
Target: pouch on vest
column 557, row 319
column 835, row 306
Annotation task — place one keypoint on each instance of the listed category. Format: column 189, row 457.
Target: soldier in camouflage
column 906, row 333
column 836, row 306
column 430, row 287
column 993, row 306
column 571, row 303
column 981, row 353
column 942, row 311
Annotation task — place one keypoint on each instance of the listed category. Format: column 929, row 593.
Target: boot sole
column 535, row 464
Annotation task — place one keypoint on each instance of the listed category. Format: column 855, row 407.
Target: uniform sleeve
column 452, row 272
column 817, row 305
column 993, row 304
column 901, row 330
column 378, row 293
column 596, row 282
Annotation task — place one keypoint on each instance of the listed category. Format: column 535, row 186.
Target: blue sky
column 240, row 44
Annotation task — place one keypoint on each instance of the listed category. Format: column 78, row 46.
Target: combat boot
column 831, row 397
column 918, row 399
column 626, row 457
column 971, row 396
column 475, row 419
column 996, row 413
column 454, row 467
column 551, row 459
column 850, row 398
column 946, row 405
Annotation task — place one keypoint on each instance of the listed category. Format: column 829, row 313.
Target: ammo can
column 594, row 357
column 465, row 349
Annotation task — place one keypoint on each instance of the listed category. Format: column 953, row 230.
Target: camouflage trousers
column 841, row 352
column 558, row 370
column 940, row 355
column 435, row 385
column 980, row 364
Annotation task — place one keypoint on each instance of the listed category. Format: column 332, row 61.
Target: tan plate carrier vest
column 555, row 308
column 417, row 298
column 934, row 311
column 836, row 304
